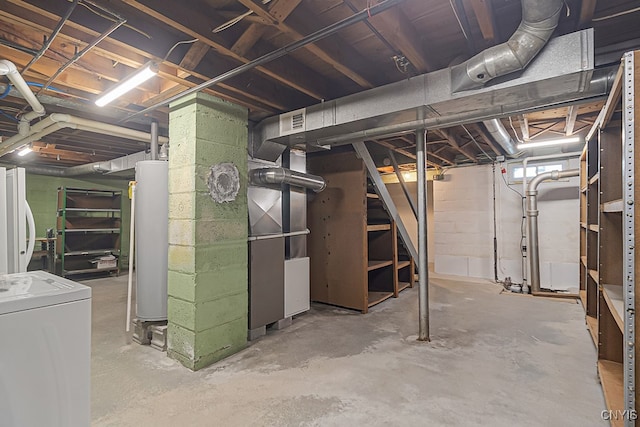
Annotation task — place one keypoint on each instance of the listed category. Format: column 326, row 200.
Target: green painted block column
column 208, row 265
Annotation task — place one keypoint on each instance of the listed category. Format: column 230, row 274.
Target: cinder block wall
column 42, row 196
column 463, row 228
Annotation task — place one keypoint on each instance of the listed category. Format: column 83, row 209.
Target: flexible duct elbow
column 539, row 20
column 278, row 176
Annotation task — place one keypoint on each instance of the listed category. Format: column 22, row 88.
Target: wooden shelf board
column 594, row 227
column 594, row 178
column 403, row 285
column 583, row 298
column 583, row 259
column 403, row 264
column 613, row 297
column 376, row 297
column 378, row 227
column 594, row 275
column 614, row 206
column 592, row 325
column 583, row 225
column 611, row 378
column 583, row 189
column 374, row 265
column 372, row 196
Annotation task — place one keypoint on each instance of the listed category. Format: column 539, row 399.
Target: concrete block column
column 208, row 265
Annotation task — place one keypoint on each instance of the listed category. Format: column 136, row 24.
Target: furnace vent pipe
column 269, row 176
column 532, row 221
column 539, row 20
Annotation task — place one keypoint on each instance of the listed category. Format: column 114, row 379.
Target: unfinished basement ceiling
column 412, row 38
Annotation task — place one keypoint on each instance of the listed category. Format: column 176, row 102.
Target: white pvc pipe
column 32, row 232
column 131, row 254
column 8, row 68
column 56, row 121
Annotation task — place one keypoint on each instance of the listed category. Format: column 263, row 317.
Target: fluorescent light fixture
column 26, row 150
column 549, row 142
column 149, row 70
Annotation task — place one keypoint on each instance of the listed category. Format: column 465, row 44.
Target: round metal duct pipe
column 539, row 20
column 270, row 176
column 532, row 221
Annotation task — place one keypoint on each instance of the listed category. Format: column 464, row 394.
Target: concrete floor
column 498, row 360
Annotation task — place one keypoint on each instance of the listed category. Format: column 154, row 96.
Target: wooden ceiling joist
column 198, row 27
column 484, row 16
column 327, row 57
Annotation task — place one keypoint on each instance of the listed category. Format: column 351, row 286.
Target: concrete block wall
column 464, row 227
column 42, row 195
column 208, row 261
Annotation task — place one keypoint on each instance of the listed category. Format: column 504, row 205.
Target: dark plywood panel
column 337, row 243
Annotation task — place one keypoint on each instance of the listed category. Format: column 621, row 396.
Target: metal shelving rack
column 89, row 225
column 607, row 241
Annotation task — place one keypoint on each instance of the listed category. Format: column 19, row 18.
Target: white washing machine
column 45, row 351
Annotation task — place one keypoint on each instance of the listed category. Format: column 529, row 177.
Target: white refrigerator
column 45, row 351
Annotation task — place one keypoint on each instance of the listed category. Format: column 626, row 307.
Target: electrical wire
column 6, row 91
column 476, row 142
column 514, row 131
column 615, row 15
column 235, row 20
column 176, row 45
column 85, row 4
column 464, row 33
column 8, row 116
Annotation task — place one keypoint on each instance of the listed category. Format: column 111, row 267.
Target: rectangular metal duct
column 560, row 73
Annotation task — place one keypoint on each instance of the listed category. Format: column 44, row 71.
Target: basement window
column 516, row 170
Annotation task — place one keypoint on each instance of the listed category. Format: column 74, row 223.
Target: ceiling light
column 26, row 150
column 549, row 142
column 149, row 70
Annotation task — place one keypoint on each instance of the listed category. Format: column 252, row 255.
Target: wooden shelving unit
column 89, row 225
column 353, row 247
column 607, row 256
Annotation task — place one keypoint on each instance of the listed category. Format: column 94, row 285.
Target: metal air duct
column 539, row 20
column 532, row 221
column 501, row 136
column 270, row 176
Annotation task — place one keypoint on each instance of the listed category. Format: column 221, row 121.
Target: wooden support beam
column 484, row 16
column 397, row 29
column 454, row 143
column 117, row 52
column 487, row 138
column 248, row 39
column 313, row 48
column 404, row 152
column 570, row 122
column 194, row 55
column 198, row 27
column 524, row 127
column 279, row 9
column 587, row 10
